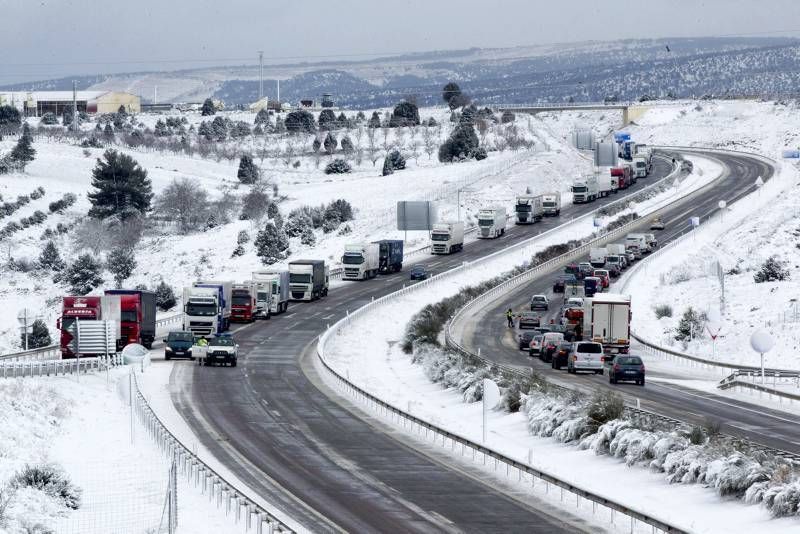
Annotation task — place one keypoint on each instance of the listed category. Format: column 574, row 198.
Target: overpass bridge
column 630, row 110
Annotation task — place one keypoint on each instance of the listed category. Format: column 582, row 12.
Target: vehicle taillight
column 574, row 357
column 616, row 367
column 643, row 368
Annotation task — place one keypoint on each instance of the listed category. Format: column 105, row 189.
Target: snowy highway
column 273, row 424
column 769, row 427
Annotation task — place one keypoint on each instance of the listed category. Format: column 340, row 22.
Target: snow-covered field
column 63, row 168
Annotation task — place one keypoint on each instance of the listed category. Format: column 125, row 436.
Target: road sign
column 96, row 337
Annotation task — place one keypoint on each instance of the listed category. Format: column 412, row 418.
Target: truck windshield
column 298, row 278
column 195, row 309
column 261, row 296
column 67, row 323
column 525, row 208
column 578, row 188
column 274, row 288
column 549, row 204
column 352, row 259
column 127, row 317
column 240, row 300
column 440, row 237
column 485, row 222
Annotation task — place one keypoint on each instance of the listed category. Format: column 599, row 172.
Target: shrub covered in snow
column 771, row 271
column 52, row 481
column 662, row 310
column 690, row 325
column 337, row 166
column 83, row 275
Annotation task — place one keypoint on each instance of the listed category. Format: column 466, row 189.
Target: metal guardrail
column 53, row 352
column 412, row 421
column 201, row 475
column 33, row 368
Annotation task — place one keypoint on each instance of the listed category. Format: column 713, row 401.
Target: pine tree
column 160, row 129
column 165, row 297
column 374, row 120
column 262, row 117
column 316, row 145
column 299, row 121
column 50, row 258
column 330, row 143
column 307, row 236
column 406, row 113
column 248, row 171
column 83, row 275
column 23, row 153
column 387, row 167
column 10, row 119
column 347, row 145
column 122, row 187
column 327, row 119
column 342, row 120
column 462, row 144
column 271, row 244
column 108, row 132
column 39, row 336
column 121, row 263
column 208, row 108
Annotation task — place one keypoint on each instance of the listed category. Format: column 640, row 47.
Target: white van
column 586, row 356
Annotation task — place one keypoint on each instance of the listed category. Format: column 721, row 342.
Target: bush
column 771, row 271
column 406, row 113
column 307, row 237
column 297, row 224
column 49, row 119
column 165, row 296
column 338, row 166
column 65, row 202
column 394, row 161
column 299, row 121
column 255, row 204
column 605, row 406
column 507, row 117
column 39, row 336
column 243, row 237
column 50, row 480
column 339, row 208
column 330, row 143
column 462, row 144
column 271, row 244
column 121, row 263
column 184, row 201
column 663, row 310
column 83, row 275
column 238, row 251
column 248, row 171
column 327, row 119
column 690, row 326
column 208, row 108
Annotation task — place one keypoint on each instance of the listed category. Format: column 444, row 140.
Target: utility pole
column 279, row 91
column 260, row 74
column 74, row 106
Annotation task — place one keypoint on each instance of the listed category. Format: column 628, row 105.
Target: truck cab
column 491, row 222
column 584, row 189
column 361, row 261
column 529, row 209
column 551, row 204
column 137, row 319
column 244, row 303
column 447, row 237
column 308, row 279
column 640, row 167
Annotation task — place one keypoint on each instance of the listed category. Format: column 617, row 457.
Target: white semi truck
column 308, row 279
column 361, row 261
column 640, row 167
column 584, row 189
column 272, row 291
column 551, row 204
column 491, row 222
column 529, row 209
column 447, row 237
column 607, row 320
column 207, row 307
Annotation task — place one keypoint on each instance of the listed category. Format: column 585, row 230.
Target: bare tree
column 372, row 146
column 400, row 138
column 92, row 234
column 483, row 129
column 386, row 131
column 185, row 202
column 414, row 148
column 428, row 141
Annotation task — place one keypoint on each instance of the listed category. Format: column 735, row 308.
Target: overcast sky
column 54, row 38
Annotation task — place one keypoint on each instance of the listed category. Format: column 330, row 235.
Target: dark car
column 221, row 349
column 419, row 272
column 178, row 344
column 573, row 269
column 561, row 283
column 614, row 270
column 561, row 355
column 525, row 338
column 626, row 368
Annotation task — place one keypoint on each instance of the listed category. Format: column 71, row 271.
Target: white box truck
column 308, row 279
column 491, row 222
column 207, row 307
column 607, row 320
column 276, row 286
column 447, row 237
column 584, row 189
column 529, row 209
column 597, row 257
column 361, row 261
column 640, row 169
column 637, row 240
column 606, row 184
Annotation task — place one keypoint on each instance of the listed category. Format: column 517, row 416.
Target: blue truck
column 390, row 255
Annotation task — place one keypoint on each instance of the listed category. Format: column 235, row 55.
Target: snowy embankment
column 61, row 168
column 377, row 364
column 763, row 225
column 82, row 428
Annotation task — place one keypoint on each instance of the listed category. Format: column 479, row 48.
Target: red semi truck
column 134, row 309
column 75, row 309
column 243, row 303
column 623, row 175
column 137, row 318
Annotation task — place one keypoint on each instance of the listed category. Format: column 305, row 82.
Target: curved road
column 766, row 426
column 303, row 448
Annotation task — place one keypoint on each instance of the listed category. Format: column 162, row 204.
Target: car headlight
column 168, row 349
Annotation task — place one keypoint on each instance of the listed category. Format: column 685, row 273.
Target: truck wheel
column 233, row 363
column 269, row 316
column 166, row 356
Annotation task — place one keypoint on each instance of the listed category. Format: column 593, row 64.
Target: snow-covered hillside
column 289, row 164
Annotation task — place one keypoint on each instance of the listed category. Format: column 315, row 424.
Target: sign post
column 762, row 342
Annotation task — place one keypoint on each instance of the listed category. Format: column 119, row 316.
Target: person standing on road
column 510, row 317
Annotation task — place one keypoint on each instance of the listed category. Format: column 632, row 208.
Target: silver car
column 586, row 356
